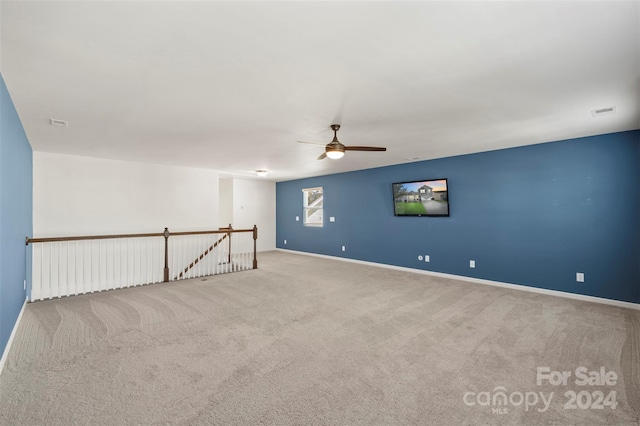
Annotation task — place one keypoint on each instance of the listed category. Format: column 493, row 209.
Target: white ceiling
column 232, row 86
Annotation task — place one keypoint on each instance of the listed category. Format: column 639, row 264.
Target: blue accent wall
column 533, row 215
column 16, row 206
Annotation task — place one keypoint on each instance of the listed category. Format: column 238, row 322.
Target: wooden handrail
column 89, row 237
column 106, row 237
column 219, row 231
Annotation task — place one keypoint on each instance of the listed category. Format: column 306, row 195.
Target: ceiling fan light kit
column 334, row 155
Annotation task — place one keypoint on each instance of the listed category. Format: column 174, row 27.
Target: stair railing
column 65, row 266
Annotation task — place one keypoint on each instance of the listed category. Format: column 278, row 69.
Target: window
column 312, row 203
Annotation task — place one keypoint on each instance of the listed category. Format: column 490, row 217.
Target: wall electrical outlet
column 285, row 242
column 343, row 248
column 297, row 218
column 332, row 219
column 427, row 258
column 580, row 277
column 472, row 264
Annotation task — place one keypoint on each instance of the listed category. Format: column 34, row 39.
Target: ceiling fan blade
column 322, row 156
column 364, row 148
column 312, row 143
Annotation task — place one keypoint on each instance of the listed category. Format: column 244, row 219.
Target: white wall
column 226, row 202
column 254, row 203
column 83, row 196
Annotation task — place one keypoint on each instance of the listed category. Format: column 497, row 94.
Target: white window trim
column 305, row 207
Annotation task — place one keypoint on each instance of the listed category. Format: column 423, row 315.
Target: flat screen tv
column 421, row 198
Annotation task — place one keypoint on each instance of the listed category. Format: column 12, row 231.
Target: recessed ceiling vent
column 603, row 111
column 58, row 123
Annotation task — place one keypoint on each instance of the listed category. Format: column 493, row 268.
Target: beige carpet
column 310, row 341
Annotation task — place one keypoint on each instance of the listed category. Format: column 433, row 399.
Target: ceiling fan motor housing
column 335, row 146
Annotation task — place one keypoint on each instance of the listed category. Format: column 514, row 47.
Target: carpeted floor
column 312, row 341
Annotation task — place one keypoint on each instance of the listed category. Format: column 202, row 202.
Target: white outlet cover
column 343, row 248
column 580, row 277
column 420, row 257
column 297, row 218
column 332, row 219
column 426, row 258
column 285, row 241
column 472, row 264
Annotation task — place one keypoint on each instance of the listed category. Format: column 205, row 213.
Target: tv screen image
column 421, row 198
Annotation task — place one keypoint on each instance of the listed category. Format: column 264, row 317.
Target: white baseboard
column 520, row 287
column 7, row 348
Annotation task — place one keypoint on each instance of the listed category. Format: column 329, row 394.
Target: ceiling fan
column 335, row 149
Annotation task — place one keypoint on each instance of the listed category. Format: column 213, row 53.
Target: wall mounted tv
column 421, row 198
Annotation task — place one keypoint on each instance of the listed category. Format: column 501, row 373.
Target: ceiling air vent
column 58, row 123
column 603, row 111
